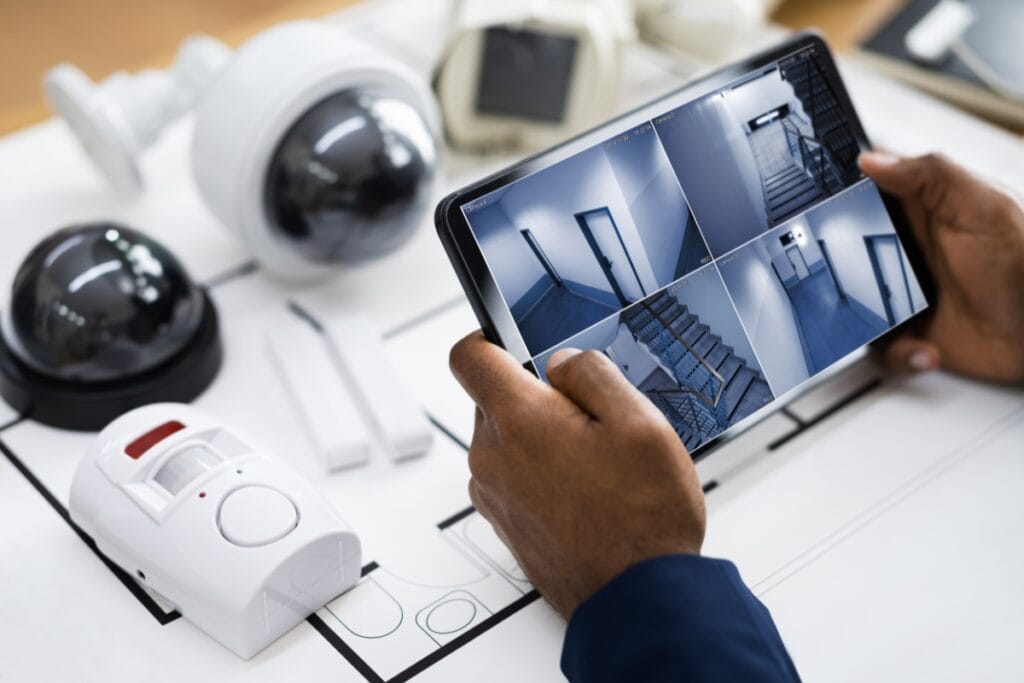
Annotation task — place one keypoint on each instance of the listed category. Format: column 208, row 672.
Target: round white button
column 256, row 515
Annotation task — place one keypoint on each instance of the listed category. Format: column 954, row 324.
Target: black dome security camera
column 103, row 319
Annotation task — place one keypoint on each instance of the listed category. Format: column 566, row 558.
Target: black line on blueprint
column 232, row 273
column 11, row 423
column 824, row 415
column 360, row 665
column 305, row 315
column 453, row 645
column 424, row 317
column 331, row 636
column 456, row 518
column 447, row 432
column 348, row 653
column 133, row 587
column 887, row 502
column 793, row 416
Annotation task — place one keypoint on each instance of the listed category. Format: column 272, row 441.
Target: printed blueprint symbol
column 491, row 588
column 374, row 613
column 452, row 614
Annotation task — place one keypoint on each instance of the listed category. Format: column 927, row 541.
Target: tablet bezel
column 489, row 306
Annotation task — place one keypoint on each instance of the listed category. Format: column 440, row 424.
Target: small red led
column 202, row 494
column 136, row 448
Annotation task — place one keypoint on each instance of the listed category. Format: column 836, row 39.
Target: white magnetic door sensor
column 396, row 416
column 236, row 541
column 325, row 406
column 346, row 391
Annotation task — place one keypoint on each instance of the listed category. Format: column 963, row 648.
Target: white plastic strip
column 317, row 393
column 401, row 422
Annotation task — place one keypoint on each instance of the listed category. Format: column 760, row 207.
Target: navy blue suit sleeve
column 675, row 618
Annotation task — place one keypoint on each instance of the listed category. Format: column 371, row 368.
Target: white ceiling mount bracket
column 116, row 119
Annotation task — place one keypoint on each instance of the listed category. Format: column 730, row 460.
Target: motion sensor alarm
column 236, row 541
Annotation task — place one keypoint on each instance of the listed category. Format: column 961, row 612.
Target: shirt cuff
column 672, row 616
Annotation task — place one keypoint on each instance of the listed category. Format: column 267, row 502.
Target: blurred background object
column 112, row 35
column 103, row 37
column 966, row 51
column 117, row 118
column 543, row 71
column 115, row 35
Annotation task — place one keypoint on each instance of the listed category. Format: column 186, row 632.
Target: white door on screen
column 606, row 242
column 894, row 278
column 796, row 257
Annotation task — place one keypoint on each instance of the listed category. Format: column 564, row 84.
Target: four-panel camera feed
column 719, row 255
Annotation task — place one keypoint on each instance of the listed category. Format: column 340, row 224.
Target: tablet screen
column 720, row 253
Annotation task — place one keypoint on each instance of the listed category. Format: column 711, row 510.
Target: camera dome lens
column 351, row 178
column 100, row 302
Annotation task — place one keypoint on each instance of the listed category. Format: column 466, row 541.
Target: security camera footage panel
column 720, row 254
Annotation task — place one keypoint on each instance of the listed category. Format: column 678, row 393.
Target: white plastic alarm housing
column 238, row 542
column 270, row 82
column 600, row 29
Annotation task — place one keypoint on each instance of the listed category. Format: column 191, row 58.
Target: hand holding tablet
column 720, row 246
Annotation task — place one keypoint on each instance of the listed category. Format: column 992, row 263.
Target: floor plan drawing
column 392, row 623
column 858, row 469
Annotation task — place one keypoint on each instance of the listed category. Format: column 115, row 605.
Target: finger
column 907, row 176
column 933, row 179
column 482, row 449
column 913, row 180
column 910, row 354
column 489, row 374
column 482, row 502
column 474, row 496
column 593, row 382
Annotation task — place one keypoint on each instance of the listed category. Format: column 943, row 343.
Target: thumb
column 894, row 174
column 910, row 354
column 932, row 179
column 594, row 383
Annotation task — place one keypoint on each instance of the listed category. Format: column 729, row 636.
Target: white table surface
column 888, row 540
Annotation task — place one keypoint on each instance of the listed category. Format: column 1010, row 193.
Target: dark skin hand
column 581, row 479
column 584, row 478
column 972, row 236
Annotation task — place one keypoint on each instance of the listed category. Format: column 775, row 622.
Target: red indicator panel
column 151, row 438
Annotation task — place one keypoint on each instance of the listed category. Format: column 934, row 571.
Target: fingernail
column 560, row 356
column 920, row 360
column 880, row 158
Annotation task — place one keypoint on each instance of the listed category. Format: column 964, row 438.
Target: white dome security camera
column 316, row 149
column 313, row 146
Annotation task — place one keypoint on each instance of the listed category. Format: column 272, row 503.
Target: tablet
column 720, row 245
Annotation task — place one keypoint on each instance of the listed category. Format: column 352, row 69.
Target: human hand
column 581, row 479
column 972, row 237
